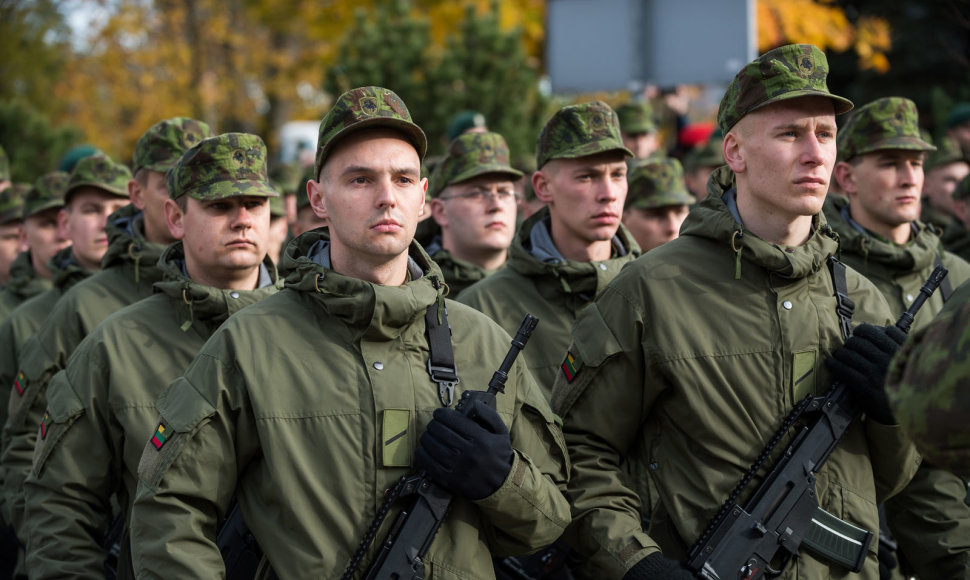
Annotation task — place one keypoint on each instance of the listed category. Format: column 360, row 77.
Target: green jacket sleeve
column 188, row 473
column 68, row 492
column 528, row 511
column 606, row 526
column 931, row 521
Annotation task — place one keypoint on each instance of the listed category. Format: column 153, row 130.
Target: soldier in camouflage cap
column 363, row 108
column 157, row 151
column 474, row 203
column 657, row 201
column 40, row 233
column 700, row 162
column 787, row 72
column 11, row 208
column 944, row 169
column 638, row 129
column 98, row 186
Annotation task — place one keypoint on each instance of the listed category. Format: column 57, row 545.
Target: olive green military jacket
column 552, row 288
column 129, row 269
column 101, row 411
column 458, row 274
column 308, row 406
column 929, row 518
column 898, row 271
column 24, row 284
column 22, row 323
column 685, row 366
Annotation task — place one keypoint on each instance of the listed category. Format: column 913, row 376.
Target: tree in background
column 34, row 144
column 481, row 67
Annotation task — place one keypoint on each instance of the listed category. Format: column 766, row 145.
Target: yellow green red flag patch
column 158, row 439
column 43, row 425
column 571, row 366
column 20, row 383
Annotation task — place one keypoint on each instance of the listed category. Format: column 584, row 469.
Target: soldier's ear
column 439, row 212
column 173, row 218
column 540, row 183
column 733, row 153
column 845, row 177
column 314, row 191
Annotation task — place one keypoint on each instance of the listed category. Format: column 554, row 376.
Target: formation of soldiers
column 175, row 369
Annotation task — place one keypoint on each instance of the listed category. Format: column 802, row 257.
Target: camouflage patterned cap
column 636, row 117
column 787, row 72
column 46, row 193
column 366, row 108
column 579, row 131
column 471, row 155
column 709, row 154
column 947, row 151
column 160, row 148
column 887, row 123
column 4, row 165
column 12, row 203
column 657, row 182
column 228, row 165
column 962, row 190
column 98, row 171
column 277, row 207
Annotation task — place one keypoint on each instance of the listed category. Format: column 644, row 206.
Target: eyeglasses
column 479, row 195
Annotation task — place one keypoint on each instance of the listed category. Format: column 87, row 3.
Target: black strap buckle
column 446, row 377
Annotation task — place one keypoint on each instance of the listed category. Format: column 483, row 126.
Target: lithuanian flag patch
column 44, row 424
column 571, row 366
column 20, row 383
column 160, row 436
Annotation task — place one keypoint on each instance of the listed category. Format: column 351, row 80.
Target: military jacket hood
column 921, row 250
column 127, row 244
column 556, row 277
column 206, row 304
column 65, row 270
column 458, row 274
column 24, row 281
column 716, row 218
column 376, row 311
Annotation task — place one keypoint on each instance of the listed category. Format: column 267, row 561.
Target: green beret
column 366, row 108
column 657, row 182
column 580, row 131
column 228, row 165
column 464, row 121
column 12, row 203
column 636, row 118
column 4, row 165
column 98, row 171
column 471, row 155
column 886, row 123
column 160, row 148
column 787, row 72
column 959, row 114
column 76, row 154
column 46, row 193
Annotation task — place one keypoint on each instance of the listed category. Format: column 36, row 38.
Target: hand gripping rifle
column 402, row 552
column 783, row 515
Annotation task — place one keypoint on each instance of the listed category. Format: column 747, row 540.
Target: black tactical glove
column 861, row 364
column 470, row 457
column 887, row 562
column 656, row 567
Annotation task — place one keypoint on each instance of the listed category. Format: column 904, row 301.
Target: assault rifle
column 783, row 515
column 401, row 555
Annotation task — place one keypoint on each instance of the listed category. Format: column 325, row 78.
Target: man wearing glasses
column 567, row 252
column 474, row 203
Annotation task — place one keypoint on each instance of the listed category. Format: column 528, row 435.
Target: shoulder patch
column 160, row 436
column 571, row 366
column 20, row 383
column 44, row 424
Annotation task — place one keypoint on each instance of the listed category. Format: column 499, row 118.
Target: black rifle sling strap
column 946, row 289
column 441, row 362
column 828, row 536
column 844, row 306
